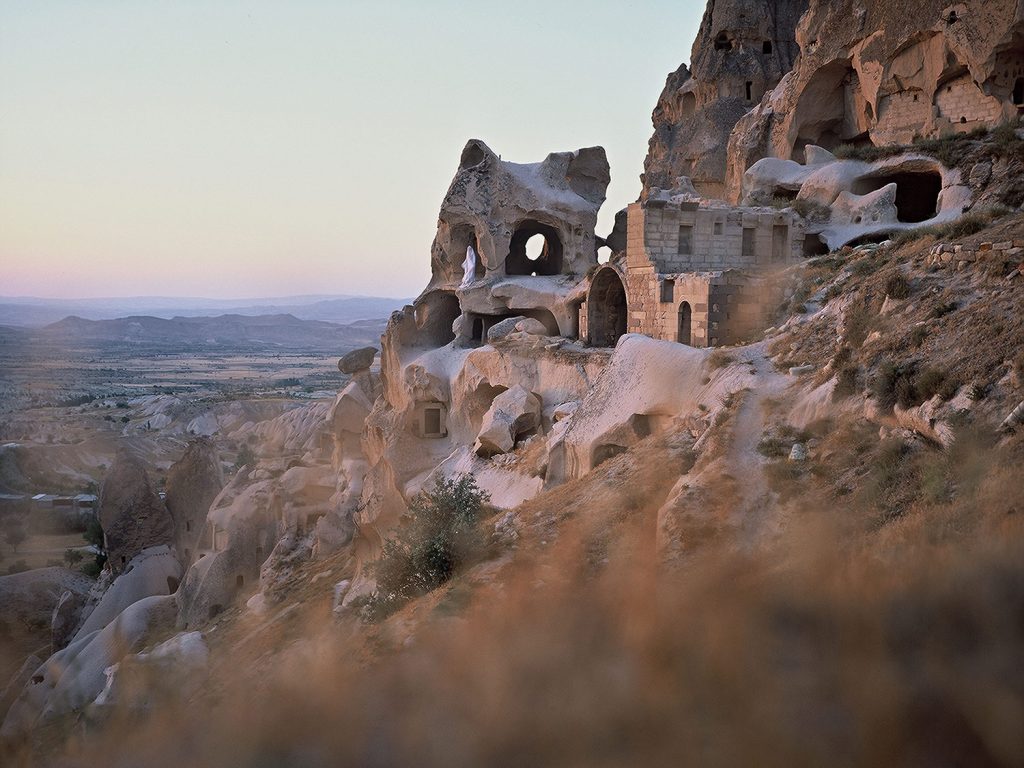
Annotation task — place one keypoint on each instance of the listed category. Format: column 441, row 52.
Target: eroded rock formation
column 877, row 72
column 743, row 49
column 193, row 482
column 132, row 514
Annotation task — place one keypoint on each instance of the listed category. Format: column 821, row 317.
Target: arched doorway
column 606, row 308
column 1018, row 92
column 685, row 314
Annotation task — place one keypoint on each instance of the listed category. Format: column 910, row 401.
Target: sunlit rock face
column 880, row 73
column 742, row 50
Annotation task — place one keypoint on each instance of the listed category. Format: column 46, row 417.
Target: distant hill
column 224, row 331
column 37, row 312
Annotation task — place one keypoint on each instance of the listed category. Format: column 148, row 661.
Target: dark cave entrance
column 606, row 308
column 917, row 193
column 543, row 257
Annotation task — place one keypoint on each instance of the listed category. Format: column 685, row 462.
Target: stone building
column 695, row 272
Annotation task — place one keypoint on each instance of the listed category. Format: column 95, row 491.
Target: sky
column 252, row 149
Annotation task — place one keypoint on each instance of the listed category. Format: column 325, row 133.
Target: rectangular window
column 718, row 227
column 432, row 421
column 748, row 241
column 668, row 291
column 780, row 243
column 685, row 241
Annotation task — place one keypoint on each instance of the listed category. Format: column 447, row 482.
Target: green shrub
column 72, row 557
column 440, row 539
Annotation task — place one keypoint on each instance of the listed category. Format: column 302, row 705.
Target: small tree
column 14, row 534
column 246, row 456
column 441, row 537
column 72, row 557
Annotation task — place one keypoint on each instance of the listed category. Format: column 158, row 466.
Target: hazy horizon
column 259, row 150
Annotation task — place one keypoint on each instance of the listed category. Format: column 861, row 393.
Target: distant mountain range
column 234, row 331
column 31, row 312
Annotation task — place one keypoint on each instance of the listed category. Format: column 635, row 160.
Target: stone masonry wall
column 962, row 102
column 717, row 237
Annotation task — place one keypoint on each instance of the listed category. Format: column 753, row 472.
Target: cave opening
column 606, row 308
column 1018, row 92
column 435, row 316
column 535, row 249
column 814, row 245
column 917, row 193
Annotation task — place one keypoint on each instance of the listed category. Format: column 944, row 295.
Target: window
column 668, row 290
column 685, row 241
column 750, row 91
column 188, row 526
column 718, row 227
column 748, row 241
column 432, row 421
column 780, row 243
column 766, row 47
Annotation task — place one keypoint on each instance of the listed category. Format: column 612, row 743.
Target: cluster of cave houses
column 676, row 267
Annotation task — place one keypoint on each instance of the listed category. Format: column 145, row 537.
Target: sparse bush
column 943, row 308
column 17, row 567
column 246, row 456
column 441, row 537
column 719, row 359
column 810, row 209
column 72, row 557
column 897, row 286
column 14, row 533
column 918, row 335
column 928, row 383
column 883, row 385
column 846, row 382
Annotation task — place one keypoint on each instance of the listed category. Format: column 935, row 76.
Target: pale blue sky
column 236, row 149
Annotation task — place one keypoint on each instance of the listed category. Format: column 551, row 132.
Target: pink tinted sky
column 238, row 149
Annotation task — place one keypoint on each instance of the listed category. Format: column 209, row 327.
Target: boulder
column 357, row 360
column 513, row 413
column 131, row 512
column 526, row 325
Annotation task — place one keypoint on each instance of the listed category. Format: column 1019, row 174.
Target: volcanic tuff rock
column 193, row 482
column 742, row 50
column 879, row 72
column 357, row 360
column 131, row 512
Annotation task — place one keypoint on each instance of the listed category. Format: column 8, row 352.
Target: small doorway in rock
column 239, row 581
column 685, row 321
column 1018, row 92
column 172, row 585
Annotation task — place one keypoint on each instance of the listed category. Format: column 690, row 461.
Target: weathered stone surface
column 525, row 325
column 357, row 360
column 131, row 512
column 878, row 72
column 512, row 413
column 65, row 618
column 193, row 482
column 742, row 50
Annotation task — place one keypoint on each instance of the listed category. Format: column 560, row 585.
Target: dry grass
column 853, row 639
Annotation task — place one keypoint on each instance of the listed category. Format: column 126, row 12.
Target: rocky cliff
column 742, row 50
